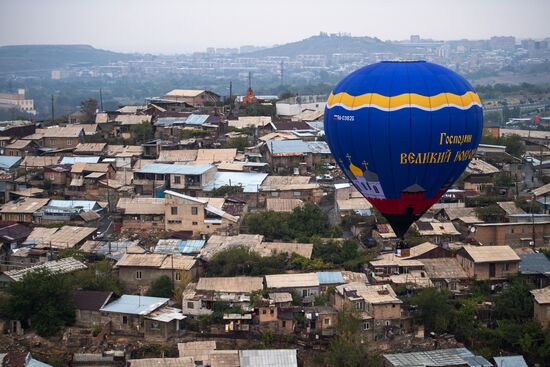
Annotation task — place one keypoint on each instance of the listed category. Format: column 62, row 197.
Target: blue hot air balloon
column 403, row 132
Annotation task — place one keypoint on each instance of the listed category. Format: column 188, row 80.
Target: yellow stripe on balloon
column 379, row 101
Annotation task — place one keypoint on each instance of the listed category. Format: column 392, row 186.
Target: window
column 271, row 311
column 505, row 267
column 366, row 325
column 155, row 325
column 284, row 322
column 194, row 210
column 138, row 274
column 174, row 210
column 190, row 305
column 177, row 180
column 275, row 193
column 195, row 223
column 178, row 275
column 304, row 292
column 296, row 193
column 124, row 320
column 52, row 141
column 387, row 323
column 327, row 321
column 52, row 177
column 69, row 141
column 264, row 312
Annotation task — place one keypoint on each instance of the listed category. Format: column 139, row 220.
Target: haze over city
column 180, row 26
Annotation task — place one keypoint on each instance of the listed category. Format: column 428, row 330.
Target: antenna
column 282, row 72
column 53, row 114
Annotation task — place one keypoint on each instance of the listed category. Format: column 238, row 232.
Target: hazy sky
column 172, row 26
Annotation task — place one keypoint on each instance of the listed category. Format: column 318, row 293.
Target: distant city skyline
column 170, row 26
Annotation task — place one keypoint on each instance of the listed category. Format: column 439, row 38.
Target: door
column 492, row 270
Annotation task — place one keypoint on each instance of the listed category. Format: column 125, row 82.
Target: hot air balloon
column 403, row 132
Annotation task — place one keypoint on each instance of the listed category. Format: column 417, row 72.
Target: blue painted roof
column 73, row 160
column 330, row 277
column 134, row 305
column 250, row 181
column 8, row 162
column 511, row 361
column 173, row 246
column 180, row 169
column 168, row 121
column 536, row 263
column 190, row 246
column 196, row 119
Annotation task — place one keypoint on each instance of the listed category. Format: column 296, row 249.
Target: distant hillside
column 326, row 45
column 27, row 58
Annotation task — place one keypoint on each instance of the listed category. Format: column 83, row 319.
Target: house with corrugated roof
column 194, row 97
column 139, row 214
column 489, row 262
column 137, row 271
column 152, row 318
column 295, row 155
column 155, row 177
column 290, row 187
column 22, row 210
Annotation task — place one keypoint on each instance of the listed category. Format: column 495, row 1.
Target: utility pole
column 230, row 89
column 249, row 79
column 282, row 72
column 101, row 99
column 53, row 113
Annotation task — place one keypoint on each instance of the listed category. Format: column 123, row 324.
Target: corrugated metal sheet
column 250, row 181
column 536, row 263
column 196, row 119
column 441, row 357
column 7, row 162
column 268, row 358
column 135, row 305
column 511, row 361
column 181, row 169
column 73, row 160
column 86, row 205
column 330, row 277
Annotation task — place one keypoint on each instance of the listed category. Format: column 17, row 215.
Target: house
column 20, row 359
column 175, row 156
column 56, row 138
column 9, row 163
column 197, row 216
column 489, row 262
column 541, row 306
column 211, row 156
column 479, row 175
column 249, row 181
column 148, row 317
column 437, row 232
column 33, row 163
column 329, row 279
column 199, row 298
column 175, row 246
column 320, row 321
column 519, row 234
column 21, row 148
column 305, row 284
column 22, row 210
column 378, row 305
column 57, row 175
column 270, row 248
column 65, row 265
column 256, row 122
column 13, row 234
column 138, row 271
column 139, row 214
column 194, row 97
column 446, row 272
column 440, row 357
column 290, row 187
column 26, row 256
column 88, row 305
column 295, row 155
column 187, row 178
column 275, row 313
column 217, row 243
column 59, row 211
column 535, row 269
column 60, row 238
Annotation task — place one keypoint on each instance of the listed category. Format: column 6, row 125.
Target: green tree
column 98, row 277
column 308, row 220
column 43, row 297
column 348, row 348
column 240, row 143
column 503, row 180
column 142, row 132
column 514, row 145
column 490, row 214
column 227, row 190
column 161, row 287
column 515, row 302
column 272, row 225
column 434, row 311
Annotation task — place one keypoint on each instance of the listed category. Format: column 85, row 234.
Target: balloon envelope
column 403, row 132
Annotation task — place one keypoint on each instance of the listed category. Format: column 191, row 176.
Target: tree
column 515, row 302
column 43, row 297
column 490, row 214
column 161, row 287
column 348, row 348
column 97, row 277
column 272, row 225
column 514, row 145
column 306, row 221
column 227, row 190
column 434, row 310
column 503, row 180
column 89, row 107
column 142, row 132
column 240, row 143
